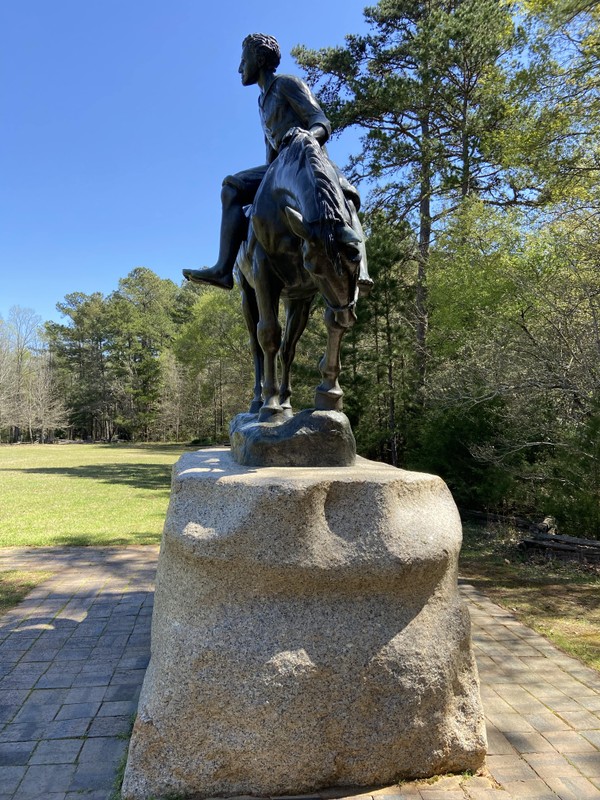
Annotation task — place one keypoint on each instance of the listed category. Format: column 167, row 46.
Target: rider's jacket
column 287, row 102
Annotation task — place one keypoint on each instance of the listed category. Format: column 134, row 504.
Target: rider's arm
column 320, row 133
column 306, row 107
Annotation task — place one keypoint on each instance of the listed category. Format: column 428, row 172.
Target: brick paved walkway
column 73, row 656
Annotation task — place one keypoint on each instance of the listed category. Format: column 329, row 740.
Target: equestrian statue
column 289, row 230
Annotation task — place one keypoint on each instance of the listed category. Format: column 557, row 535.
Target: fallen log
column 563, row 546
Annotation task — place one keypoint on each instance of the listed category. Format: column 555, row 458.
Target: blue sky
column 118, row 121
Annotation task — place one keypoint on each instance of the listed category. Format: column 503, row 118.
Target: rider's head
column 264, row 47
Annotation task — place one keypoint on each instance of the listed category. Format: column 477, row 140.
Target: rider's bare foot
column 212, row 275
column 364, row 286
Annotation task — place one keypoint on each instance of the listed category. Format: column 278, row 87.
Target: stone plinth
column 310, row 438
column 307, row 633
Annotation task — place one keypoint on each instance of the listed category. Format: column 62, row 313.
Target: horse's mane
column 329, row 198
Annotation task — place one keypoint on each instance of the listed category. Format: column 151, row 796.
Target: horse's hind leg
column 250, row 312
column 329, row 394
column 296, row 317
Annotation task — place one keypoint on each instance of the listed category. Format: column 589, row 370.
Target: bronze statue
column 291, row 227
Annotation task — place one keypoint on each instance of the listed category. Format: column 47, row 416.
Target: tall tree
column 141, row 324
column 82, row 358
column 425, row 85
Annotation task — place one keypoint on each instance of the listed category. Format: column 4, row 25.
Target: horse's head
column 331, row 252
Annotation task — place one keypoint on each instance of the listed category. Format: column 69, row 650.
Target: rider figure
column 285, row 103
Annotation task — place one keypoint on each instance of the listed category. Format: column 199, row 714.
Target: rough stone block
column 307, row 633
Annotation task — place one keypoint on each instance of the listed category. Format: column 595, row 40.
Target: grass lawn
column 16, row 584
column 84, row 494
column 560, row 600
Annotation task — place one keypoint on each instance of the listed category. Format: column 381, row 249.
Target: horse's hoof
column 328, row 401
column 271, row 414
column 255, row 407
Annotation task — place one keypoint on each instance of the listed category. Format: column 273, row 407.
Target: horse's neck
column 298, row 187
column 299, row 183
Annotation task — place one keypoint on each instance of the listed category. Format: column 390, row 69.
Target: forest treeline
column 477, row 354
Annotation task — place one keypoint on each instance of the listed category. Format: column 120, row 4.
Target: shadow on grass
column 97, row 540
column 150, row 447
column 139, row 476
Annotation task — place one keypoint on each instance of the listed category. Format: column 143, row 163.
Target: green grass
column 16, row 584
column 84, row 494
column 559, row 599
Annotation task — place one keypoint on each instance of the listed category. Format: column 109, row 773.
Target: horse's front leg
column 268, row 291
column 296, row 318
column 250, row 311
column 328, row 396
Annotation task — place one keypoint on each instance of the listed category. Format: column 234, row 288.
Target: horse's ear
column 296, row 222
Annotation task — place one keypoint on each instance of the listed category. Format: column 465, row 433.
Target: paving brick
column 89, row 679
column 528, row 742
column 509, row 768
column 591, row 702
column 570, row 742
column 493, row 703
column 66, row 728
column 587, row 763
column 60, row 680
column 41, row 780
column 409, row 792
column 70, row 654
column 546, row 722
column 574, row 788
column 47, row 696
column 78, row 710
column 23, row 732
column 103, row 749
column 519, row 699
column 14, row 754
column 593, row 737
column 35, row 654
column 581, row 720
column 134, row 662
column 57, row 751
column 11, row 777
column 7, row 712
column 550, row 765
column 489, row 794
column 13, row 696
column 33, row 711
column 514, row 722
column 534, row 789
column 110, row 726
column 118, row 708
column 123, row 692
column 84, row 694
column 92, row 776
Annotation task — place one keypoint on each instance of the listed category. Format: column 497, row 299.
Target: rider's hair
column 266, row 46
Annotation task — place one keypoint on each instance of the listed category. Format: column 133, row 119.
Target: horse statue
column 304, row 238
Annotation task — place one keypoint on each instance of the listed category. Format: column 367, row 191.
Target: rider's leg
column 234, row 226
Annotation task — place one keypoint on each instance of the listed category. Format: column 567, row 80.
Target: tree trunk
column 423, row 258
